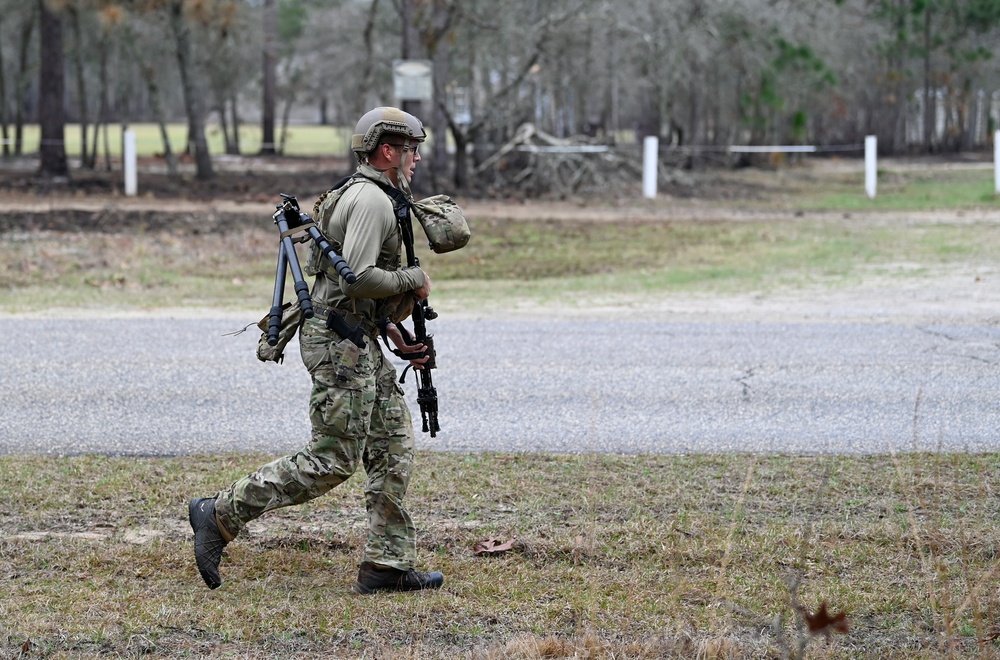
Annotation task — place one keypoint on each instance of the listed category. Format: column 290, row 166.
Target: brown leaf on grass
column 822, row 623
column 492, row 546
column 26, row 647
column 992, row 636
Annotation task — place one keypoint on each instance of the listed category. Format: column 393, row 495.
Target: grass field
column 612, row 557
column 710, row 556
column 301, row 140
column 520, row 261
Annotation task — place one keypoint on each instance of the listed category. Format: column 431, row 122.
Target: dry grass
column 519, row 260
column 615, row 557
column 167, row 256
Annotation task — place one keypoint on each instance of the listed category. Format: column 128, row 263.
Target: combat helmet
column 374, row 123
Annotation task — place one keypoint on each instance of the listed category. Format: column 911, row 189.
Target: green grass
column 615, row 556
column 968, row 190
column 896, row 190
column 302, row 140
column 534, row 261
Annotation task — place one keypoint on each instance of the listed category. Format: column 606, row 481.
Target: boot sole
column 209, row 581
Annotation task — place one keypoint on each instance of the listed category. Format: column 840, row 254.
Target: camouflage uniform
column 356, row 409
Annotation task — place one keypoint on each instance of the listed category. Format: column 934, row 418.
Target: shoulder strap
column 402, row 205
column 322, row 198
column 400, row 202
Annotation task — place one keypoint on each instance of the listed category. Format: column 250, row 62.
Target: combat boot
column 372, row 578
column 210, row 539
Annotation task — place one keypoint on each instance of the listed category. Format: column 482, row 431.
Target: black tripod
column 291, row 221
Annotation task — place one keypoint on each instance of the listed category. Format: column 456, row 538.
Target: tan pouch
column 443, row 223
column 291, row 319
column 399, row 307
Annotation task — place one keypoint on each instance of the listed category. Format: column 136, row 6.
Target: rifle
column 422, row 312
column 426, row 393
column 291, row 220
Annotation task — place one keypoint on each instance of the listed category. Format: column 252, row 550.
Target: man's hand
column 425, row 290
column 396, row 337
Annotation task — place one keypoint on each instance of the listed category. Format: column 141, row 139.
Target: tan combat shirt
column 363, row 227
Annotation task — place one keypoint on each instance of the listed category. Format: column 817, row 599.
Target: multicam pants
column 358, row 414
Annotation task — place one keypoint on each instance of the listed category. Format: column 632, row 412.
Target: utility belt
column 346, row 325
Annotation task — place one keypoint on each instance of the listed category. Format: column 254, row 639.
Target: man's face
column 409, row 156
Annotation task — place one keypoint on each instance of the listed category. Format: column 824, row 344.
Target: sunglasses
column 404, row 147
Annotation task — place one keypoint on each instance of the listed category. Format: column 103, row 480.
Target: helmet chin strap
column 401, row 181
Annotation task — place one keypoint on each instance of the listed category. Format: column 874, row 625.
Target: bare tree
column 25, row 37
column 915, row 72
column 76, row 16
column 268, row 104
column 133, row 27
column 192, row 94
column 51, row 94
column 4, row 136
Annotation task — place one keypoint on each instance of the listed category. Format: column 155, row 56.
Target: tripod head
column 290, row 208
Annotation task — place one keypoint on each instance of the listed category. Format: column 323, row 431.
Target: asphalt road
column 162, row 386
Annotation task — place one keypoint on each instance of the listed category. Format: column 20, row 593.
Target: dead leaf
column 822, row 623
column 991, row 637
column 26, row 647
column 492, row 546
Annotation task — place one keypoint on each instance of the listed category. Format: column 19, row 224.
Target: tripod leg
column 301, row 288
column 274, row 318
column 335, row 259
column 287, row 247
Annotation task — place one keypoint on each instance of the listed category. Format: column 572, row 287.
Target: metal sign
column 461, row 109
column 412, row 80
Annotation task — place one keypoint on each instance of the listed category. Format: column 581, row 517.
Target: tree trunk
column 81, row 88
column 168, row 152
column 220, row 109
column 155, row 102
column 267, row 145
column 51, row 114
column 441, row 58
column 192, row 99
column 929, row 101
column 609, row 113
column 358, row 105
column 235, row 116
column 412, row 48
column 650, row 118
column 102, row 107
column 461, row 159
column 21, row 88
column 3, row 110
column 286, row 115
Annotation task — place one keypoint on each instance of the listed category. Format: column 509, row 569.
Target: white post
column 871, row 173
column 996, row 162
column 650, row 165
column 128, row 158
